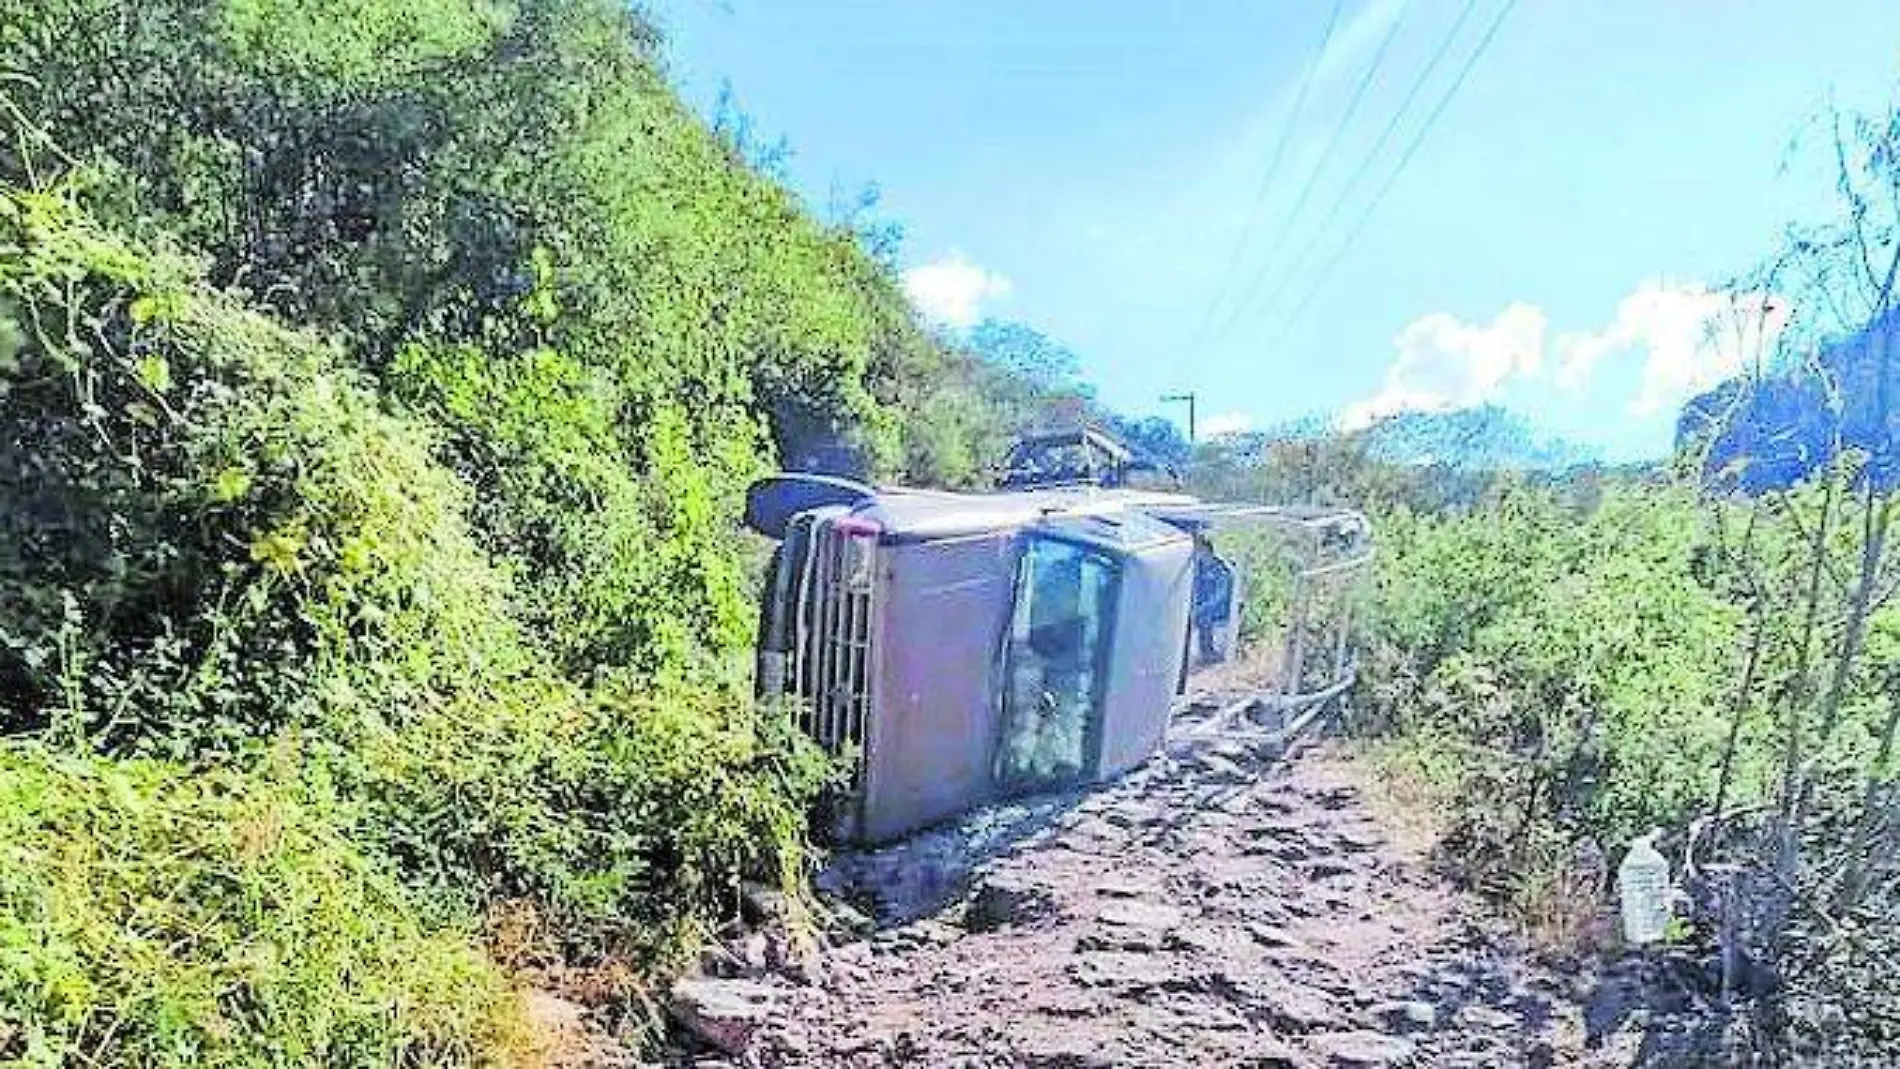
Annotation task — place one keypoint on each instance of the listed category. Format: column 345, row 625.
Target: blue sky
column 1094, row 168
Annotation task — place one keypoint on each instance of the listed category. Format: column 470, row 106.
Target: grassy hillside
column 518, row 231
column 225, row 550
column 150, row 914
column 380, row 380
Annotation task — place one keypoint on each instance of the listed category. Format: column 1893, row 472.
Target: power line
column 1411, row 150
column 1273, row 168
column 1365, row 164
column 1325, row 157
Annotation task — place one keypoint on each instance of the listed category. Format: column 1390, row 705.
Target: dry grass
column 1561, row 909
column 1405, row 790
column 1555, row 899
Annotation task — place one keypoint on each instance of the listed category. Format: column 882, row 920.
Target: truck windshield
column 1053, row 662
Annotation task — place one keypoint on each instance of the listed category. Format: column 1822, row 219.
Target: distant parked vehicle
column 1085, row 456
column 965, row 648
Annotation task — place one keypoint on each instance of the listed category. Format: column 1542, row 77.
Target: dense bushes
column 1710, row 651
column 1558, row 675
column 379, row 380
column 148, row 916
column 265, row 555
column 1573, row 662
column 519, row 230
column 448, row 564
column 209, row 512
column 1560, row 662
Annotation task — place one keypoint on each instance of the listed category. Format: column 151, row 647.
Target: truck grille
column 831, row 658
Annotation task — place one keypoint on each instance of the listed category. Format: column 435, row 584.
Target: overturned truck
column 962, row 648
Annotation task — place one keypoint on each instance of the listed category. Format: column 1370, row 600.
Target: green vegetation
column 1559, row 662
column 1556, row 662
column 381, row 380
column 1561, row 677
column 520, row 232
column 1555, row 667
column 148, row 916
column 231, row 554
column 1574, row 660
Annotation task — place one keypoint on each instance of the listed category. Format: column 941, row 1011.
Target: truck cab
column 960, row 649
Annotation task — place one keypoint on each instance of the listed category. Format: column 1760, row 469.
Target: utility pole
column 1189, row 398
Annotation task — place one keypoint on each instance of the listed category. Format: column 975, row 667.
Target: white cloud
column 1224, row 423
column 1691, row 339
column 1444, row 363
column 952, row 290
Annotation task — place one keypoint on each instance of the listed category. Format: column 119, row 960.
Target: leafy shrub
column 1621, row 665
column 154, row 916
column 211, row 519
column 626, row 820
column 379, row 380
column 266, row 556
column 521, row 232
column 1575, row 667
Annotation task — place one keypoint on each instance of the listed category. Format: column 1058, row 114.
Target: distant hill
column 1485, row 438
column 1771, row 433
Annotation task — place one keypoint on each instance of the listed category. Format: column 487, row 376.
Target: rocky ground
column 1221, row 906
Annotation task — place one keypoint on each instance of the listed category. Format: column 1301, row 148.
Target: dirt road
column 1211, row 909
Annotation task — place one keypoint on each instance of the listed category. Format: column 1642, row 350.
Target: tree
column 1152, row 436
column 1040, row 362
column 1805, row 541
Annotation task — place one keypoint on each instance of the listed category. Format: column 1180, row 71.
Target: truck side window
column 1053, row 664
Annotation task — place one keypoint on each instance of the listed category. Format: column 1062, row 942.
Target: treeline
column 379, row 381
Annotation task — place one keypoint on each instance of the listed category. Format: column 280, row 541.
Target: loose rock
column 1328, row 868
column 1003, row 899
column 1366, row 1050
column 1163, row 923
column 1129, row 913
column 1407, row 1016
column 724, row 1014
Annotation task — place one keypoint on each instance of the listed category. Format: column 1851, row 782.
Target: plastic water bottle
column 1643, row 885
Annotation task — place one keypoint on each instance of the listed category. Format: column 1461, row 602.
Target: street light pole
column 1189, row 398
